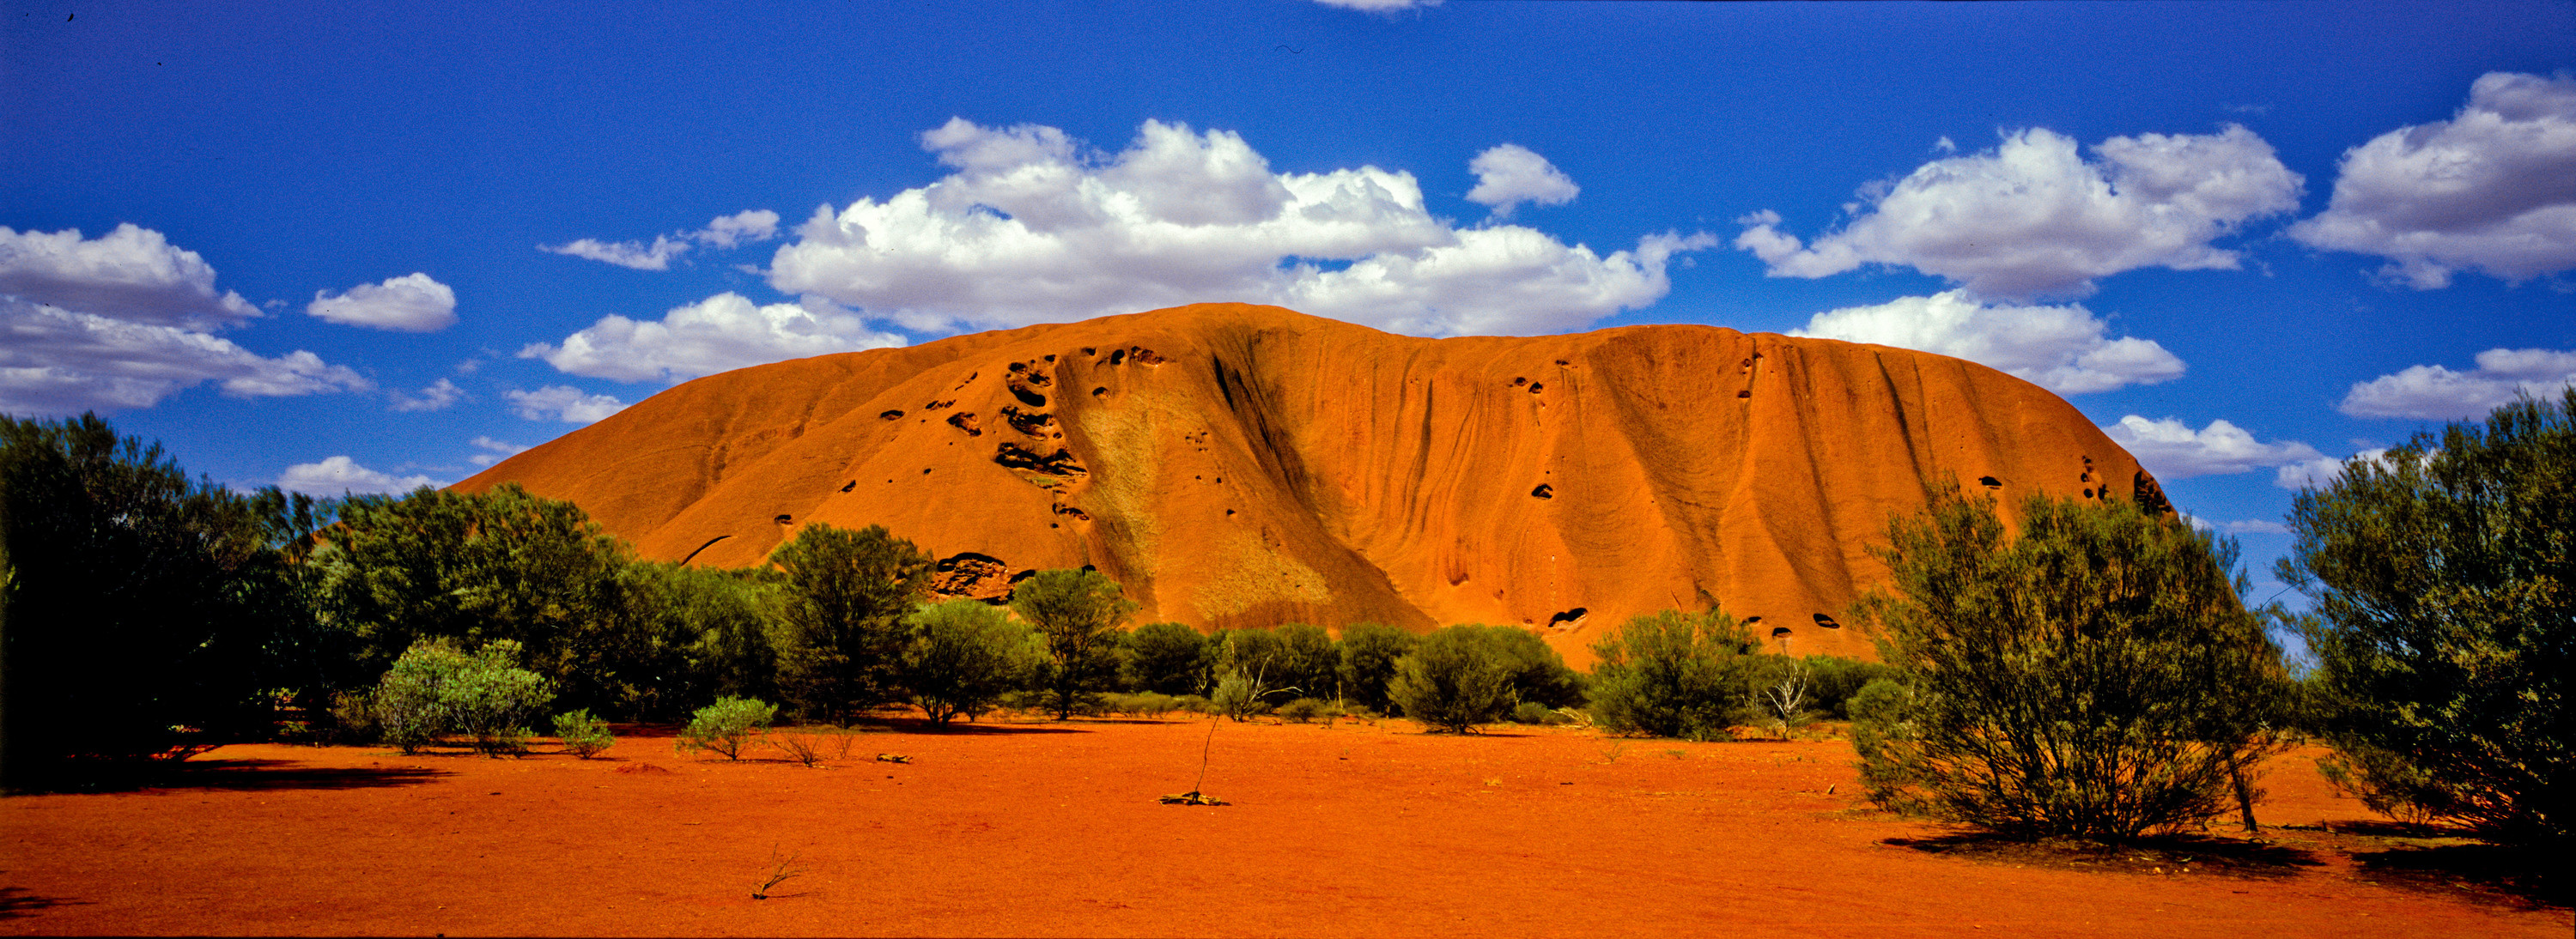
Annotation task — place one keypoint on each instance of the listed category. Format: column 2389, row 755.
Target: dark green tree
column 1369, row 652
column 847, row 594
column 1456, row 678
column 132, row 603
column 1307, row 662
column 2444, row 581
column 2095, row 677
column 1672, row 674
column 707, row 629
column 1167, row 658
column 1079, row 612
column 964, row 655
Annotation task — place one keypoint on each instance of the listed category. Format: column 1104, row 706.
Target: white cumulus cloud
column 340, row 475
column 59, row 361
column 132, row 274
column 2170, row 449
column 723, row 332
column 2033, row 217
column 437, row 397
column 2493, row 189
column 1511, row 174
column 564, row 403
column 728, row 231
column 2433, row 392
column 494, row 451
column 2061, row 348
column 1030, row 229
column 412, row 303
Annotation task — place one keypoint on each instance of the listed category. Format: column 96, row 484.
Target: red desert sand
column 1013, row 828
column 1247, row 466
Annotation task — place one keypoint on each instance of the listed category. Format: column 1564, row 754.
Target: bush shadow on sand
column 17, row 903
column 233, row 775
column 2164, row 854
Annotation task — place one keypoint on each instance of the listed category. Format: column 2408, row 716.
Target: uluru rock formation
column 1238, row 465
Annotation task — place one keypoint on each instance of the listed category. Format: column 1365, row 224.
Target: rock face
column 1242, row 465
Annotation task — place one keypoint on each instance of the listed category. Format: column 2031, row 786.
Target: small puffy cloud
column 131, row 274
column 2324, row 470
column 562, row 402
column 2493, row 189
column 412, row 303
column 2172, row 450
column 723, row 332
column 2432, row 392
column 728, row 231
column 59, row 361
column 2034, row 217
column 494, row 451
column 2252, row 526
column 1031, row 229
column 1511, row 174
column 436, row 397
column 1380, row 6
column 2061, row 348
column 339, row 475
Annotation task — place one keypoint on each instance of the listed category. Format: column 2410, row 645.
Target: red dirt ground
column 1053, row 829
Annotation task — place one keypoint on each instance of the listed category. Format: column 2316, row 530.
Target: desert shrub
column 1304, row 710
column 1194, row 704
column 582, row 734
column 1078, row 612
column 1832, row 680
column 1307, row 661
column 1169, row 658
column 1881, row 723
column 1368, row 654
column 728, row 727
column 2096, row 677
column 1239, row 696
column 1147, row 704
column 434, row 690
column 1784, row 695
column 1456, row 678
column 353, row 716
column 2444, row 580
column 844, row 636
column 811, row 747
column 1672, row 674
column 963, row 657
column 1532, row 712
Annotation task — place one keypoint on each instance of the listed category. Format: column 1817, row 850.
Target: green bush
column 1457, row 678
column 1166, row 657
column 1881, row 724
column 1368, row 654
column 2095, row 677
column 728, row 727
column 1306, row 710
column 2444, row 579
column 1238, row 696
column 1532, row 712
column 434, row 690
column 1672, row 674
column 1833, row 681
column 843, row 638
column 1148, row 704
column 1194, row 704
column 963, row 657
column 1078, row 613
column 582, row 734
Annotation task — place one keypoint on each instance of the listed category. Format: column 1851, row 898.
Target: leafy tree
column 134, row 602
column 1538, row 673
column 1079, row 612
column 436, row 689
column 1368, row 655
column 2097, row 677
column 728, row 727
column 1457, row 678
column 1672, row 674
column 963, row 657
column 2444, row 580
column 1168, row 658
column 480, row 567
column 709, row 634
column 847, row 594
column 1307, row 660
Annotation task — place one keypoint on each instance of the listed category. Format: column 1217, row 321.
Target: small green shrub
column 1304, row 710
column 583, row 735
column 1193, row 704
column 1456, row 678
column 435, row 690
column 728, row 727
column 1142, row 704
column 1672, row 674
column 1238, row 696
column 1532, row 712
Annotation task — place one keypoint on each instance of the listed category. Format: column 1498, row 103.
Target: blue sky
column 375, row 244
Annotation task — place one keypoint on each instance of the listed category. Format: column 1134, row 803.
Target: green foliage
column 1308, row 663
column 1457, row 678
column 1538, row 673
column 1367, row 667
column 1239, row 695
column 964, row 655
column 583, row 735
column 844, row 636
column 1149, row 704
column 1079, row 612
column 2097, row 677
column 1672, row 674
column 1169, row 658
column 479, row 567
column 728, row 727
column 705, row 633
column 1833, row 680
column 1532, row 712
column 138, row 607
column 1306, row 710
column 2444, row 579
column 1881, row 725
column 436, row 689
